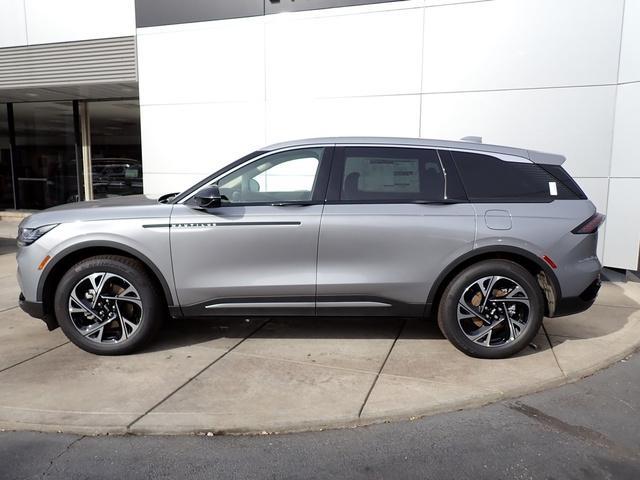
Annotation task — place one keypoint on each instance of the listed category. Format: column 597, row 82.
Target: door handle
column 291, row 204
column 438, row 202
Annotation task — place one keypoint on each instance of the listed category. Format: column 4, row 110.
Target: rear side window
column 490, row 179
column 391, row 174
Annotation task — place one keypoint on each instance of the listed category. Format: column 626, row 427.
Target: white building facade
column 217, row 79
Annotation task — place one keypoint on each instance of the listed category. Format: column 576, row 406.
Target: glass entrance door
column 6, row 179
column 116, row 153
column 45, row 154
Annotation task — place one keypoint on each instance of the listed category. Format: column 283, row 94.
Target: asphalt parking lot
column 259, row 375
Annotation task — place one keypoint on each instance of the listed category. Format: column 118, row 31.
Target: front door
column 256, row 254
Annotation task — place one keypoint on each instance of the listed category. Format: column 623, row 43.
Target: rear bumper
column 572, row 305
column 36, row 310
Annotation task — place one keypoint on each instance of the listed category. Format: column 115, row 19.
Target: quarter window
column 487, row 178
column 391, row 174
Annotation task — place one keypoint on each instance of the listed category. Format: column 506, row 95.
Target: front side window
column 391, row 174
column 282, row 177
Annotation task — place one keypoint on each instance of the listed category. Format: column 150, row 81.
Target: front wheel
column 492, row 309
column 108, row 305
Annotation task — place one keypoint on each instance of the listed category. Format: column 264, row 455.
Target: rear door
column 393, row 220
column 255, row 254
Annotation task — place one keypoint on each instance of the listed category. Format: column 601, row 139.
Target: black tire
column 448, row 309
column 152, row 307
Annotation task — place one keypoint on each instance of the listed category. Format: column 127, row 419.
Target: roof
column 533, row 155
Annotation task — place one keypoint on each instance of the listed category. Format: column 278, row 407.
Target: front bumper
column 36, row 310
column 573, row 305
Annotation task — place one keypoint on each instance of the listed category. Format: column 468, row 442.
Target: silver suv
column 487, row 239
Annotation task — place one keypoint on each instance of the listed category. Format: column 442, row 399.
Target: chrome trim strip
column 157, row 225
column 248, row 224
column 351, row 304
column 262, row 305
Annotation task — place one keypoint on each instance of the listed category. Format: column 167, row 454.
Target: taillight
column 590, row 225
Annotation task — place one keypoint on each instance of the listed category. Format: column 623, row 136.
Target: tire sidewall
column 447, row 312
column 131, row 271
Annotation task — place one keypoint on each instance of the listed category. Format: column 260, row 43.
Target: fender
column 483, row 251
column 105, row 244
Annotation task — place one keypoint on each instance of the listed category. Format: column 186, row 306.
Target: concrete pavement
column 276, row 375
column 587, row 430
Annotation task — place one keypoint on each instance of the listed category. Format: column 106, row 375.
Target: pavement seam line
column 197, row 374
column 35, row 356
column 7, row 309
column 354, row 370
column 582, row 433
column 555, row 357
column 384, row 362
column 66, row 449
column 615, row 306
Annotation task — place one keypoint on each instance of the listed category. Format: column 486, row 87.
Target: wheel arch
column 62, row 261
column 524, row 258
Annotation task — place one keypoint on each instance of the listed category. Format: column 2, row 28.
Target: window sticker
column 553, row 189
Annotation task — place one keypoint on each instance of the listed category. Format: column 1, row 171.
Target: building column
column 85, row 148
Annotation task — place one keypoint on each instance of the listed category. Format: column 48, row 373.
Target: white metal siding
column 69, row 63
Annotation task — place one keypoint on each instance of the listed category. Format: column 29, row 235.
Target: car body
column 338, row 226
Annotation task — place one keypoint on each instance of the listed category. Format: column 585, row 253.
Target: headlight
column 26, row 236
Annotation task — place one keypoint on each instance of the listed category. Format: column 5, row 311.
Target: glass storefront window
column 116, row 154
column 45, row 155
column 44, row 146
column 6, row 183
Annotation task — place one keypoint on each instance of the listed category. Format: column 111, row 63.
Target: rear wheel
column 108, row 305
column 492, row 309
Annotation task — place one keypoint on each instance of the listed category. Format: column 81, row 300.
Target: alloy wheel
column 493, row 311
column 105, row 308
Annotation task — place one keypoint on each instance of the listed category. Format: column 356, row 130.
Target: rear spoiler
column 546, row 158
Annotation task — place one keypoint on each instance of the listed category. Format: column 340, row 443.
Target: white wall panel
column 368, row 54
column 51, row 21
column 13, row 29
column 202, row 62
column 622, row 238
column 390, row 116
column 630, row 51
column 521, row 43
column 575, row 122
column 626, row 154
column 198, row 139
column 597, row 190
column 214, row 91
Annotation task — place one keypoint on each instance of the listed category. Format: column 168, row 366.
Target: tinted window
column 487, row 178
column 563, row 177
column 391, row 174
column 282, row 177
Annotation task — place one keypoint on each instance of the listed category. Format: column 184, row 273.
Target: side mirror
column 208, row 197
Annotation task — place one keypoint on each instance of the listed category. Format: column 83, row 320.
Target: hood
column 130, row 206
